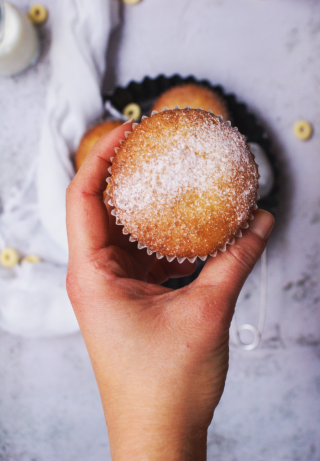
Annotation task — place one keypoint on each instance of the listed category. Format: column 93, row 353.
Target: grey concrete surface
column 268, row 54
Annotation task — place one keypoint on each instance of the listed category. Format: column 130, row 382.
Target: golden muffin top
column 183, row 183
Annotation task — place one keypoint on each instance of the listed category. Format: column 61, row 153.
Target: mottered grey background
column 267, row 52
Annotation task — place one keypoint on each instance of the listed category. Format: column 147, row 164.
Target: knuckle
column 70, row 189
column 71, row 284
column 75, row 285
column 246, row 255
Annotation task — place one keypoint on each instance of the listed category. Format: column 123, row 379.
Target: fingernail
column 128, row 121
column 262, row 224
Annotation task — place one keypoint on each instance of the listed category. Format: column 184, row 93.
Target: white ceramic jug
column 19, row 40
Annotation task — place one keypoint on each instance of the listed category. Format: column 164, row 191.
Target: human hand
column 160, row 356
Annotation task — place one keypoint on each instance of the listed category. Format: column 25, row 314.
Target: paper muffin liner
column 140, row 245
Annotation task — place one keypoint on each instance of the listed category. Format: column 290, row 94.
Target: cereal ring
column 38, row 14
column 302, row 129
column 132, row 110
column 9, row 257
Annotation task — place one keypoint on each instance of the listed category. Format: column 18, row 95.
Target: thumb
column 229, row 270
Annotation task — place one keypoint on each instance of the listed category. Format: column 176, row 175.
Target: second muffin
column 194, row 96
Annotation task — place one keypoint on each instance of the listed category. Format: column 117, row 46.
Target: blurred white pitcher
column 19, row 40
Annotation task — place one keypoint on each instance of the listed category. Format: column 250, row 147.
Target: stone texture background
column 268, row 54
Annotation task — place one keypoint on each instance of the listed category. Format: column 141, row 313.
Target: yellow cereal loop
column 131, row 2
column 38, row 14
column 9, row 257
column 132, row 111
column 302, row 130
column 31, row 259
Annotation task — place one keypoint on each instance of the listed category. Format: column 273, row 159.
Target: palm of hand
column 158, row 330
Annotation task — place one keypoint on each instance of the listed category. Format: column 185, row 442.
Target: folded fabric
column 78, row 52
column 34, row 301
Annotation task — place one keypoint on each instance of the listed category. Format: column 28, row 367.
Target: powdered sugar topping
column 189, row 171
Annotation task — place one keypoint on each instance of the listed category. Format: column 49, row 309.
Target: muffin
column 183, row 184
column 194, row 96
column 91, row 137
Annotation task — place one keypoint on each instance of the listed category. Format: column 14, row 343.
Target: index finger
column 87, row 216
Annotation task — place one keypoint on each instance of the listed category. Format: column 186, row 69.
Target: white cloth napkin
column 33, row 300
column 80, row 34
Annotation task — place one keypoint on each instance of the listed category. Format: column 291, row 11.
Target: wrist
column 156, row 424
column 140, row 435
